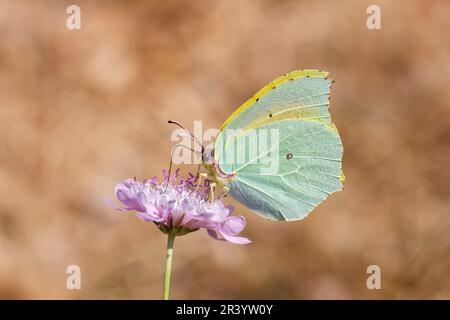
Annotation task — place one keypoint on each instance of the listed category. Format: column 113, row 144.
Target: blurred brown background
column 81, row 110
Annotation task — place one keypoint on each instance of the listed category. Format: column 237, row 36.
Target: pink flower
column 180, row 207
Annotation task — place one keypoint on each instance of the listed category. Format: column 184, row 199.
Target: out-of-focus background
column 83, row 109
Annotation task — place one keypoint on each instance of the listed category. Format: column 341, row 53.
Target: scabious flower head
column 180, row 206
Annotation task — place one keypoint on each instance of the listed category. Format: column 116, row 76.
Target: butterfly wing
column 300, row 94
column 307, row 169
column 289, row 178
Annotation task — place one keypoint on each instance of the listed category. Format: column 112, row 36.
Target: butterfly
column 279, row 153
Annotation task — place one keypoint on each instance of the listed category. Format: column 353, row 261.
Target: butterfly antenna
column 188, row 132
column 171, row 160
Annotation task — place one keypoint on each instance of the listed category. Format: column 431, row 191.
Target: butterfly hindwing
column 294, row 177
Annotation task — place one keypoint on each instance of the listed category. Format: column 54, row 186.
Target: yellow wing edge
column 273, row 84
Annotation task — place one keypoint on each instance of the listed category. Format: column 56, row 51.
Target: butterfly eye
column 208, row 156
column 289, row 156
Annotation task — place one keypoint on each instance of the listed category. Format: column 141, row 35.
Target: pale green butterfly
column 308, row 149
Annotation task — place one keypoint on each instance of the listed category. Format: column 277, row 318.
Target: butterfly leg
column 212, row 187
column 201, row 175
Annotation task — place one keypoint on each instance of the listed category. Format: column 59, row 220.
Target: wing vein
column 268, row 195
column 290, row 186
column 271, row 149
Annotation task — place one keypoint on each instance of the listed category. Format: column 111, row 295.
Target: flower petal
column 113, row 205
column 233, row 225
column 219, row 235
column 127, row 193
column 149, row 217
column 235, row 239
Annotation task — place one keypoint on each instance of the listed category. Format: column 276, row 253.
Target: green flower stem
column 168, row 271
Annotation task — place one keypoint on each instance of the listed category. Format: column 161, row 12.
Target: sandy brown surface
column 81, row 110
